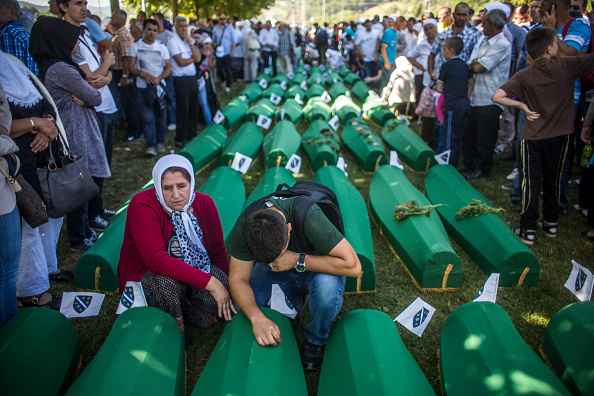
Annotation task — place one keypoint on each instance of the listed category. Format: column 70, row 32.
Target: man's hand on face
column 285, row 261
column 266, row 331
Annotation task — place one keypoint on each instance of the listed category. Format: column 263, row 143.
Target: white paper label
column 340, row 164
column 274, row 98
column 282, row 114
column 307, row 67
column 283, row 85
column 263, row 122
column 443, row 158
column 267, row 70
column 326, row 97
column 322, row 68
column 263, row 83
column 290, row 76
column 334, row 123
column 298, row 99
column 294, row 164
column 395, row 161
column 303, row 85
column 219, row 117
column 241, row 163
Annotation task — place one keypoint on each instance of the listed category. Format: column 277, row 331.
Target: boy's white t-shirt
column 367, row 41
column 149, row 58
column 87, row 54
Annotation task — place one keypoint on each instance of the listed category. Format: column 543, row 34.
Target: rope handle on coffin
column 278, row 160
column 377, row 162
column 523, row 276
column 444, row 283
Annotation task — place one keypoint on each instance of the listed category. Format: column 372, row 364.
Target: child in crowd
column 546, row 94
column 453, row 83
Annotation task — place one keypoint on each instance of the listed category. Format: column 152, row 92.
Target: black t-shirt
column 454, row 74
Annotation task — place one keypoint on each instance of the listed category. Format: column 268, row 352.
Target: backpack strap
column 566, row 28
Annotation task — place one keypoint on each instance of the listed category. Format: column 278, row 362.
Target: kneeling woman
column 173, row 244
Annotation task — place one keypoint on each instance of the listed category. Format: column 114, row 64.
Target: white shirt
column 268, row 37
column 376, row 26
column 150, row 58
column 176, row 46
column 421, row 53
column 367, row 41
column 88, row 55
column 411, row 41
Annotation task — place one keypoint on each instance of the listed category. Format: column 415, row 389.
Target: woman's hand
column 46, row 127
column 39, row 143
column 79, row 102
column 221, row 296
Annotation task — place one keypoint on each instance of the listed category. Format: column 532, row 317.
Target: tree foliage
column 204, row 8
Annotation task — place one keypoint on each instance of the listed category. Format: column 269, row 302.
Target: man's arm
column 97, row 79
column 342, row 261
column 387, row 63
column 106, row 45
column 476, row 67
column 265, row 331
column 430, row 64
column 166, row 71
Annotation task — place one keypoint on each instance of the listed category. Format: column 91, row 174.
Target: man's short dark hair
column 454, row 43
column 141, row 13
column 538, row 39
column 150, row 21
column 158, row 15
column 265, row 235
column 65, row 2
column 121, row 13
column 412, row 19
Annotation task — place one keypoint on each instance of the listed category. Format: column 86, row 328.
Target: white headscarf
column 430, row 21
column 186, row 226
column 19, row 88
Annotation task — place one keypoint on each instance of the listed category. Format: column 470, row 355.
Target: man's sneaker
column 161, row 148
column 131, row 139
column 500, row 149
column 151, row 151
column 526, row 236
column 313, row 356
column 108, row 214
column 507, row 186
column 549, row 228
column 512, row 175
column 82, row 247
column 171, row 127
column 98, row 223
column 93, row 237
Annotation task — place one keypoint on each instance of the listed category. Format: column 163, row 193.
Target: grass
column 529, row 308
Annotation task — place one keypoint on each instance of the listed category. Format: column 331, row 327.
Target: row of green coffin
column 480, row 353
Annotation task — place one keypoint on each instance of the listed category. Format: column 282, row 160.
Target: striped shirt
column 121, row 42
column 14, row 40
column 468, row 35
column 284, row 44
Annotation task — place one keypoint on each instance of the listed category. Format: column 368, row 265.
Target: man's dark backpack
column 310, row 193
column 322, row 37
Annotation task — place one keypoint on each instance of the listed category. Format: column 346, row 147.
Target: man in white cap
column 252, row 52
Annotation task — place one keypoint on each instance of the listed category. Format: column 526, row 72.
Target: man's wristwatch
column 300, row 266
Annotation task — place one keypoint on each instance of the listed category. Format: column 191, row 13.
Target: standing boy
column 545, row 138
column 453, row 83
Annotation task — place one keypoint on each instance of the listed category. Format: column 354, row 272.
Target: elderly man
column 269, row 43
column 252, row 52
column 223, row 37
column 285, row 49
column 184, row 55
column 491, row 70
column 14, row 38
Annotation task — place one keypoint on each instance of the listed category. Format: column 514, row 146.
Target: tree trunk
column 115, row 5
column 173, row 8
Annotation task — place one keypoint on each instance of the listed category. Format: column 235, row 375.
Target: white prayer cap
column 254, row 20
column 430, row 21
column 497, row 5
column 417, row 27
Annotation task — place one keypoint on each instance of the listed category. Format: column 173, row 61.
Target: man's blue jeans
column 152, row 117
column 10, row 254
column 370, row 69
column 203, row 100
column 325, row 296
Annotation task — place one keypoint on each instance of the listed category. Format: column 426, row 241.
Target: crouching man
column 265, row 250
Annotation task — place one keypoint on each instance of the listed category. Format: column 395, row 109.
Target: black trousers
column 480, row 136
column 266, row 55
column 186, row 111
column 541, row 165
column 128, row 98
column 224, row 70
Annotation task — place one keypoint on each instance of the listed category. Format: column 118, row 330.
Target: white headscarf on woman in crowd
column 20, row 90
column 186, row 226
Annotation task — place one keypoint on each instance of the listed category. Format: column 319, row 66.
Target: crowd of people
column 509, row 81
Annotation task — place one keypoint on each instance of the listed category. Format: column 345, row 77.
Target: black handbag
column 66, row 183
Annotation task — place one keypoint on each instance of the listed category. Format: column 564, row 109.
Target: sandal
column 53, row 303
column 61, row 276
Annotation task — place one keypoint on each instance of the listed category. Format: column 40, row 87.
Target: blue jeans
column 203, row 100
column 325, row 296
column 370, row 69
column 152, row 117
column 171, row 107
column 10, row 254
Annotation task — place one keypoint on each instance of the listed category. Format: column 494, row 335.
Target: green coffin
column 124, row 205
column 314, row 91
column 365, row 356
column 239, row 366
column 221, row 181
column 263, row 107
column 264, row 77
column 481, row 353
column 292, row 111
column 420, row 242
column 356, row 225
column 486, row 239
column 273, row 88
column 293, row 91
column 206, row 146
column 337, row 90
column 568, row 345
column 234, row 112
column 143, row 355
column 297, row 80
column 334, row 78
column 365, row 147
column 315, row 78
column 411, row 149
column 39, row 353
column 299, row 70
column 345, row 109
column 343, row 71
column 376, row 110
column 360, row 90
column 351, row 78
column 279, row 78
column 321, row 144
column 317, row 109
column 97, row 269
column 247, row 141
column 280, row 144
column 252, row 92
column 270, row 181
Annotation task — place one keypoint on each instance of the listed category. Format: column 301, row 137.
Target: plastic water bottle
column 586, row 155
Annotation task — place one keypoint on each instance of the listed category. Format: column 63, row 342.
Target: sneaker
column 151, row 151
column 98, row 223
column 526, row 236
column 584, row 212
column 93, row 238
column 228, row 90
column 507, row 186
column 82, row 247
column 500, row 149
column 549, row 228
column 578, row 207
column 161, row 148
column 171, row 127
column 512, row 175
column 131, row 139
column 108, row 214
column 313, row 356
